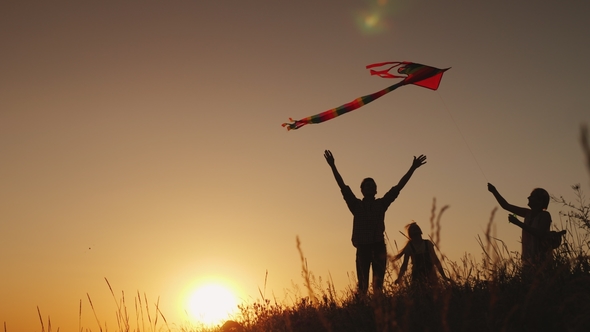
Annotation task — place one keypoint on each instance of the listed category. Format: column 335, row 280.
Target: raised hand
column 421, row 160
column 491, row 188
column 329, row 157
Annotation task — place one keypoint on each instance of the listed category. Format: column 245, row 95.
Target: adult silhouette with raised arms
column 368, row 223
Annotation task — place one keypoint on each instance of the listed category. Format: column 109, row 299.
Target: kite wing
column 415, row 73
column 412, row 73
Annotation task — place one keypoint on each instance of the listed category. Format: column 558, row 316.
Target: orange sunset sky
column 141, row 141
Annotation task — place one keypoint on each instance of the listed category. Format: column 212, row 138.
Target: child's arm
column 403, row 269
column 421, row 160
column 436, row 261
column 330, row 159
column 520, row 211
column 540, row 233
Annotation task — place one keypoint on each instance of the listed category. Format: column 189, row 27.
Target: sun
column 211, row 304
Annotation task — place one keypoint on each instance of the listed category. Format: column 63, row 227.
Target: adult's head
column 369, row 188
column 539, row 199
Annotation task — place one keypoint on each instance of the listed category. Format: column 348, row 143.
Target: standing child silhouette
column 536, row 251
column 423, row 257
column 368, row 223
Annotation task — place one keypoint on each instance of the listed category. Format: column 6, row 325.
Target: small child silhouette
column 423, row 257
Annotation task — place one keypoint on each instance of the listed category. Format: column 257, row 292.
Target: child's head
column 414, row 231
column 539, row 198
column 369, row 187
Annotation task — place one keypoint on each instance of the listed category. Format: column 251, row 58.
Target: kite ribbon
column 330, row 114
column 417, row 74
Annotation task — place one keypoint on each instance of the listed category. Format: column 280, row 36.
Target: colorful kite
column 413, row 73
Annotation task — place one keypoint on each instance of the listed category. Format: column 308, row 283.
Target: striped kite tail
column 334, row 112
column 296, row 124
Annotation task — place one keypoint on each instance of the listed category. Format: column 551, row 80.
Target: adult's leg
column 363, row 264
column 379, row 261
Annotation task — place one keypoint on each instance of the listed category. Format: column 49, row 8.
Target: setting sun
column 211, row 304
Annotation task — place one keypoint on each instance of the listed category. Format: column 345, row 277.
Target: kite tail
column 293, row 125
column 332, row 113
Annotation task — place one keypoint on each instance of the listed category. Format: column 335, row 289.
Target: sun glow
column 211, row 304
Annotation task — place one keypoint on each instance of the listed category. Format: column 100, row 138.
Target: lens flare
column 375, row 18
column 371, row 21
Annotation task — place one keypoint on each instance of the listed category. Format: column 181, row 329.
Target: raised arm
column 520, row 211
column 421, row 160
column 330, row 159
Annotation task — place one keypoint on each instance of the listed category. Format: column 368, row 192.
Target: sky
column 141, row 141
